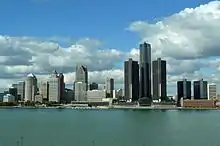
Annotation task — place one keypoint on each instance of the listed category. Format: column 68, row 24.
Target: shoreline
column 109, row 108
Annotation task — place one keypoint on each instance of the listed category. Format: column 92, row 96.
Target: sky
column 37, row 36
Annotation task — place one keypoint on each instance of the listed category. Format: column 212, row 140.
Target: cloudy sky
column 37, row 36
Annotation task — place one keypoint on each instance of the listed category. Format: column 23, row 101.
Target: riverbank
column 109, row 108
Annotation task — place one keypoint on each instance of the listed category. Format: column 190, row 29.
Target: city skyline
column 37, row 48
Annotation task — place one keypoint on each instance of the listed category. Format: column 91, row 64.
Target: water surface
column 67, row 127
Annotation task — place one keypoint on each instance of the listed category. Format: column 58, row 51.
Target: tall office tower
column 200, row 89
column 212, row 91
column 62, row 87
column 44, row 90
column 93, row 86
column 159, row 79
column 131, row 79
column 30, row 87
column 82, row 74
column 145, row 70
column 21, row 90
column 183, row 90
column 81, row 83
column 109, row 87
column 80, row 91
column 54, row 87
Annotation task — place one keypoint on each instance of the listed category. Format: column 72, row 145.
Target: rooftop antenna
column 184, row 75
column 62, row 62
column 200, row 76
column 111, row 70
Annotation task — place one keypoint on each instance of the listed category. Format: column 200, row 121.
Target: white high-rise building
column 30, row 87
column 80, row 91
column 54, row 87
column 212, row 91
column 44, row 89
column 81, row 83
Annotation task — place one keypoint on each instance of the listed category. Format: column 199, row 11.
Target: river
column 68, row 127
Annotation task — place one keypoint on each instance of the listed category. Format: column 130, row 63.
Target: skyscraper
column 93, row 86
column 183, row 90
column 200, row 89
column 30, row 87
column 131, row 79
column 21, row 90
column 82, row 74
column 145, row 70
column 212, row 91
column 44, row 90
column 109, row 87
column 81, row 83
column 54, row 87
column 62, row 87
column 80, row 91
column 159, row 79
column 13, row 91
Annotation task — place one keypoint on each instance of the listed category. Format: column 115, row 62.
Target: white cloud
column 188, row 40
column 191, row 33
column 20, row 56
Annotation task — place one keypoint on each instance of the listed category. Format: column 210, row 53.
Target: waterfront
column 68, row 127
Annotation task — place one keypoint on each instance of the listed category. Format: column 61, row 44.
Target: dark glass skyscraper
column 145, row 70
column 131, row 79
column 159, row 79
column 183, row 90
column 93, row 86
column 109, row 86
column 200, row 89
column 62, row 87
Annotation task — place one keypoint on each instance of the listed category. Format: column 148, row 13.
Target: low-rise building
column 199, row 103
column 119, row 93
column 39, row 98
column 8, row 98
column 96, row 95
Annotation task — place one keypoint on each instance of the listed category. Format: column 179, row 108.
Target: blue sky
column 100, row 19
column 107, row 21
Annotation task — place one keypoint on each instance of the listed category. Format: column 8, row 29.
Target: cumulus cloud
column 20, row 56
column 189, row 34
column 188, row 40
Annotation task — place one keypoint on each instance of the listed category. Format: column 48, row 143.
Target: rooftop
column 54, row 72
column 31, row 75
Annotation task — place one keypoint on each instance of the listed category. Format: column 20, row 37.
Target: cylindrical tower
column 29, row 83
